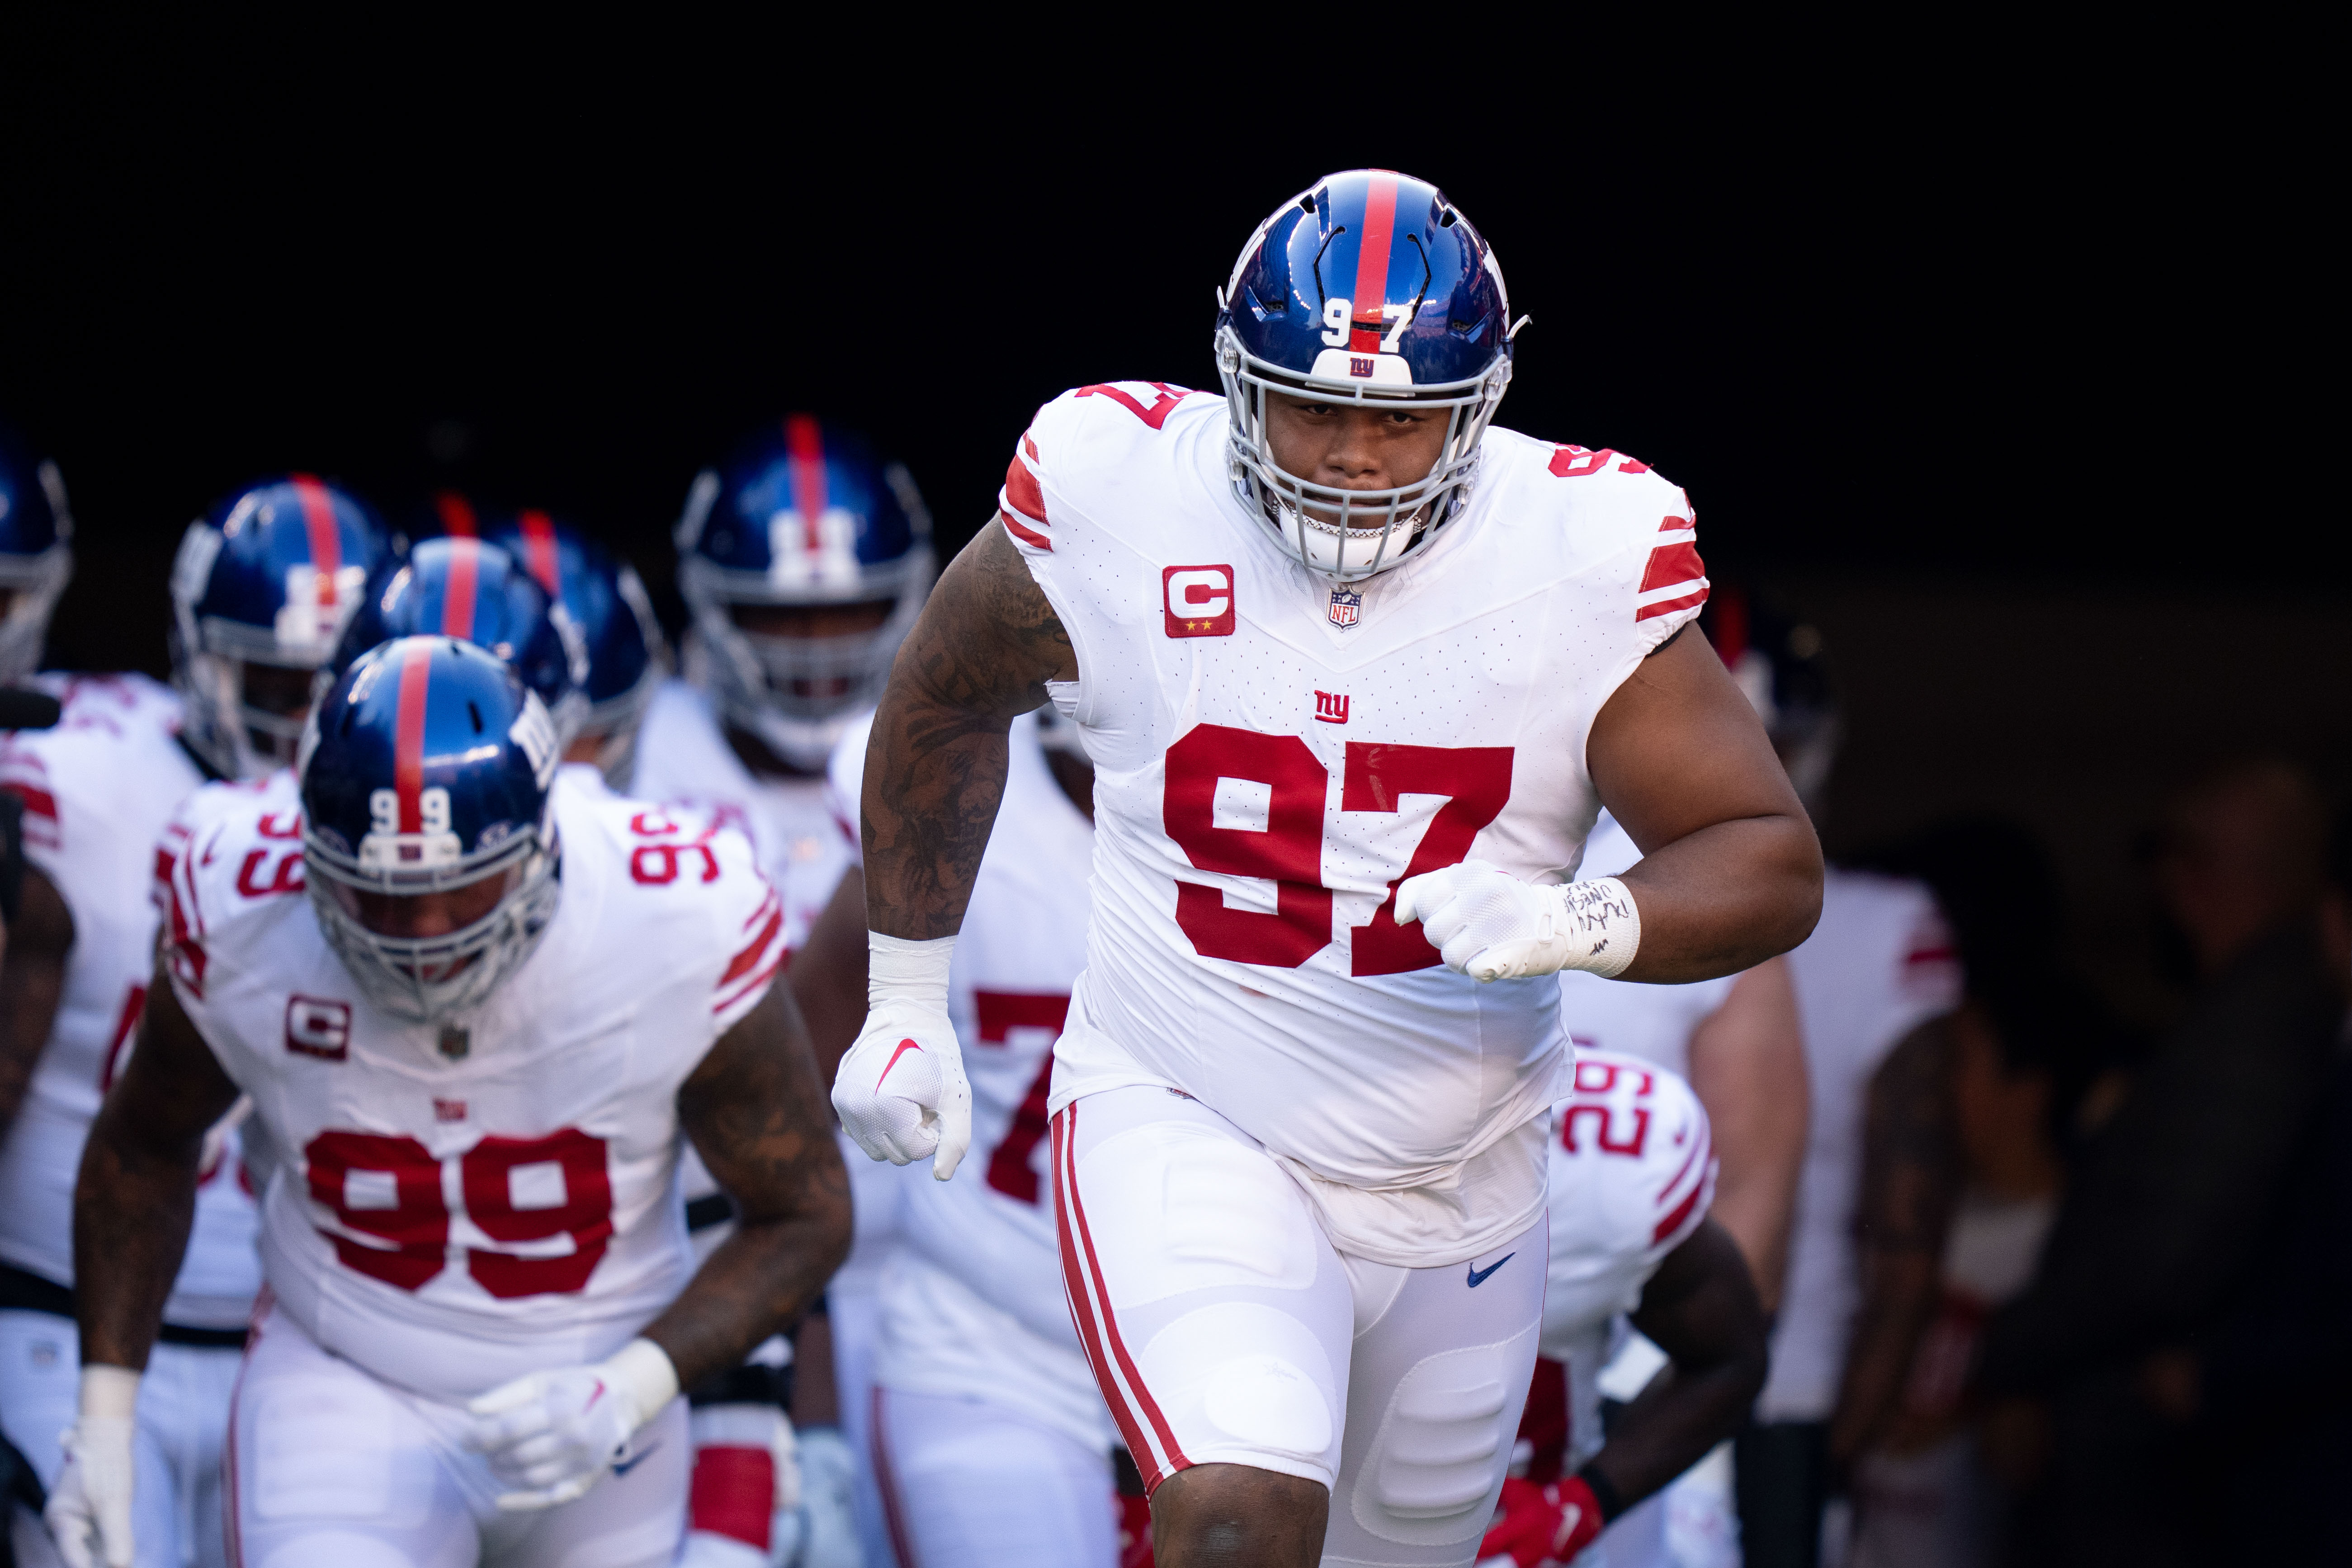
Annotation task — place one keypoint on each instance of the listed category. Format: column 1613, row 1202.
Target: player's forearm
column 755, row 1283
column 934, row 776
column 1725, row 898
column 1899, row 1296
column 133, row 1204
column 979, row 658
column 1701, row 1310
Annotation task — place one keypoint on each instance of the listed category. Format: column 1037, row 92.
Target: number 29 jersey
column 1274, row 753
column 454, row 1208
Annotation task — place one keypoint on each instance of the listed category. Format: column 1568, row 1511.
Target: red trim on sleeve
column 1021, row 491
column 1667, row 606
column 1672, row 563
column 1026, row 535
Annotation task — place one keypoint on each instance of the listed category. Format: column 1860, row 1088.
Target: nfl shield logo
column 1345, row 607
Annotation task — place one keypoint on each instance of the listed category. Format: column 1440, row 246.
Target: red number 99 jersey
column 456, row 1207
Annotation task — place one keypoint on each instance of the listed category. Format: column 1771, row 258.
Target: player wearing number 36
column 476, row 1018
column 1357, row 671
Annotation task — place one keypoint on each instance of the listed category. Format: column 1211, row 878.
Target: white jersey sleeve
column 1275, row 754
column 454, row 1207
column 1633, row 1173
column 1880, row 963
column 99, row 789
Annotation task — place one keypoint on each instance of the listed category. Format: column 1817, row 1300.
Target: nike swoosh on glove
column 89, row 1508
column 1487, row 924
column 901, row 1093
column 551, row 1435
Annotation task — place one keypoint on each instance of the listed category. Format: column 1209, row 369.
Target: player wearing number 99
column 260, row 591
column 1346, row 659
column 480, row 1042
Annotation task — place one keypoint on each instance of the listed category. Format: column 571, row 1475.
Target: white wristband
column 1602, row 926
column 645, row 1370
column 899, row 970
column 108, row 1393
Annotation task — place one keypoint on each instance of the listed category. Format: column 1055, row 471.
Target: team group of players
column 422, row 1008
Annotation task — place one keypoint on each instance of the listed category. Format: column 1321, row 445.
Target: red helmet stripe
column 458, row 594
column 805, row 443
column 539, row 550
column 408, row 735
column 457, row 515
column 1372, row 251
column 326, row 539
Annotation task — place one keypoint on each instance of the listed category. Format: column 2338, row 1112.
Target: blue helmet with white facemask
column 260, row 591
column 804, row 518
column 1367, row 289
column 476, row 591
column 35, row 557
column 429, row 767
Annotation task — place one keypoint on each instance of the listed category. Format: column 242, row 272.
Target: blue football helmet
column 608, row 603
column 1369, row 287
column 427, row 767
column 262, row 587
column 36, row 554
column 805, row 520
column 471, row 589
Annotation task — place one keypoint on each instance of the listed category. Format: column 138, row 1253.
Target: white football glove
column 553, row 1435
column 89, row 1508
column 1490, row 925
column 901, row 1091
column 827, row 1518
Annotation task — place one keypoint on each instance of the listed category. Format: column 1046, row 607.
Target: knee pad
column 1438, row 1459
column 1171, row 1208
column 1238, row 1379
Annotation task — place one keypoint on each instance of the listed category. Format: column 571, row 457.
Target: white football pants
column 330, row 1467
column 1223, row 1327
column 966, row 1484
column 182, row 1423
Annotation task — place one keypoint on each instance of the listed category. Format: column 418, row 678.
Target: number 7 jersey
column 1275, row 752
column 454, row 1207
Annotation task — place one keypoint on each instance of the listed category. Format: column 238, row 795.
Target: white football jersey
column 1652, row 1022
column 1633, row 1173
column 453, row 1208
column 1880, row 963
column 683, row 756
column 972, row 1305
column 98, row 790
column 1275, row 753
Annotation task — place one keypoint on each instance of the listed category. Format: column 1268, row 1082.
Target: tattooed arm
column 1910, row 1181
column 756, row 1114
column 981, row 655
column 137, row 1194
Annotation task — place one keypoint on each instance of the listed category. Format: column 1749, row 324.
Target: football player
column 608, row 603
column 261, row 586
column 477, row 1018
column 990, row 1445
column 1880, row 963
column 1632, row 1171
column 1357, row 673
column 802, row 559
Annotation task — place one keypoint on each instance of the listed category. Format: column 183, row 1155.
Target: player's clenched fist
column 1490, row 925
column 902, row 1092
column 88, row 1510
column 551, row 1435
